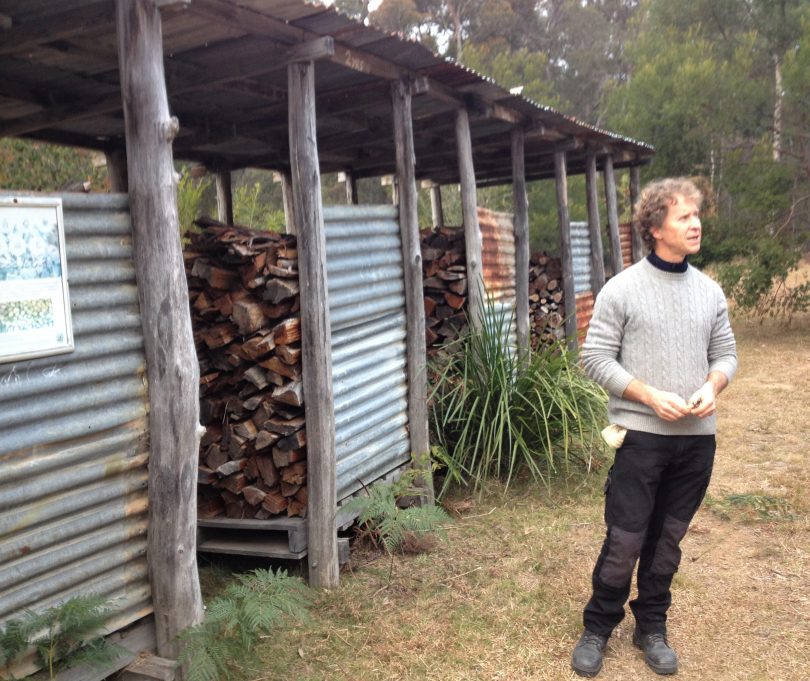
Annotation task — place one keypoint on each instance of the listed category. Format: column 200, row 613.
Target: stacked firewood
column 546, row 306
column 444, row 272
column 243, row 289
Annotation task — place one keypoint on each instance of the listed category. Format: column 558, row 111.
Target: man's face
column 679, row 235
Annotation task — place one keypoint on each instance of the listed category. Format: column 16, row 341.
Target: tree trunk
column 172, row 366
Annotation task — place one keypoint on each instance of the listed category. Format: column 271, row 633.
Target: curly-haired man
column 661, row 344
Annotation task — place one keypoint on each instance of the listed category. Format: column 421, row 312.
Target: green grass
column 749, row 507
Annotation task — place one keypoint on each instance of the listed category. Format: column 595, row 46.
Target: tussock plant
column 494, row 414
column 249, row 607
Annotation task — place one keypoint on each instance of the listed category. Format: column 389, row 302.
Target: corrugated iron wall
column 367, row 310
column 74, row 436
column 498, row 269
column 581, row 256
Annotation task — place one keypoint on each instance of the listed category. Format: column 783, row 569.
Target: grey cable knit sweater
column 667, row 329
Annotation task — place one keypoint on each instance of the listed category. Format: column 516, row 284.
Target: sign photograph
column 34, row 302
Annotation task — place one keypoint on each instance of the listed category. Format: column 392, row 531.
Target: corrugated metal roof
column 226, row 74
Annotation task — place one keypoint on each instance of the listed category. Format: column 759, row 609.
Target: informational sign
column 34, row 302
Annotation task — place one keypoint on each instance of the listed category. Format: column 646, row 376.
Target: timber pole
column 117, row 169
column 351, row 189
column 290, row 226
column 436, row 211
column 635, row 189
column 613, row 216
column 315, row 328
column 224, row 197
column 469, row 212
column 414, row 293
column 564, row 223
column 172, row 367
column 594, row 228
column 521, row 206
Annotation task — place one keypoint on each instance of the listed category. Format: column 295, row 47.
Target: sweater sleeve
column 722, row 353
column 603, row 344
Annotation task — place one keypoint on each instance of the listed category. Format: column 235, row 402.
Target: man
column 660, row 343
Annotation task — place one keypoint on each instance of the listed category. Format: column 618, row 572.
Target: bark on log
column 172, row 367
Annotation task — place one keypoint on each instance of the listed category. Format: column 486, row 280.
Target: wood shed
column 276, row 84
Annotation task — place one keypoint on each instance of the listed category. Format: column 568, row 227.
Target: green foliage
column 36, row 166
column 62, row 636
column 392, row 527
column 495, row 414
column 749, row 507
column 191, row 194
column 250, row 606
column 250, row 209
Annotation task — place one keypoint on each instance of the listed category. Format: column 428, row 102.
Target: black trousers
column 652, row 492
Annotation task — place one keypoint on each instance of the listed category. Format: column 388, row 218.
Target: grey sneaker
column 657, row 653
column 587, row 657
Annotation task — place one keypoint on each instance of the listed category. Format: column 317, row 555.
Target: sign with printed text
column 34, row 302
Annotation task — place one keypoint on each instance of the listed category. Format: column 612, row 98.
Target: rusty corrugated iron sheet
column 498, row 270
column 626, row 240
column 584, row 307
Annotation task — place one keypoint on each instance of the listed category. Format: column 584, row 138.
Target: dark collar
column 655, row 261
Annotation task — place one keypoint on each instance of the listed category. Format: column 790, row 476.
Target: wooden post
column 564, row 222
column 594, row 228
column 472, row 231
column 521, row 201
column 224, row 198
column 290, row 225
column 613, row 216
column 635, row 189
column 436, row 210
column 315, row 328
column 414, row 294
column 351, row 189
column 117, row 168
column 172, row 368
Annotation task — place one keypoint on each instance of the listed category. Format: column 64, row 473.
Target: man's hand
column 668, row 406
column 704, row 401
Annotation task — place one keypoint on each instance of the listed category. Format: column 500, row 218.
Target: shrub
column 494, row 414
column 64, row 636
column 250, row 606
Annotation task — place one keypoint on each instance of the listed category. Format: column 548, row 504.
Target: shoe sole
column 663, row 670
column 585, row 673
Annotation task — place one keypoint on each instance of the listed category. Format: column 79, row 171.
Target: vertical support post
column 564, row 222
column 351, row 189
column 117, row 168
column 315, row 328
column 290, row 225
column 172, row 368
column 521, row 201
column 414, row 294
column 224, row 198
column 635, row 190
column 594, row 228
column 472, row 231
column 436, row 210
column 613, row 216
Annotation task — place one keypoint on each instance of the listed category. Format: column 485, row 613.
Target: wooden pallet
column 281, row 538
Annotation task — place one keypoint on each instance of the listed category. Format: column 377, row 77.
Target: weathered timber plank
column 521, row 226
column 613, row 216
column 594, row 228
column 564, row 225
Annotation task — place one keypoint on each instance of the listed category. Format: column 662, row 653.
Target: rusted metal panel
column 498, row 270
column 626, row 240
column 584, row 307
column 74, row 437
column 367, row 314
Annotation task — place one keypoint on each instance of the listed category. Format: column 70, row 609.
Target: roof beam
column 56, row 26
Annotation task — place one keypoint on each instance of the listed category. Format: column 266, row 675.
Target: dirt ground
column 501, row 596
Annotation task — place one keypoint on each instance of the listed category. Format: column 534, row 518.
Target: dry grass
column 501, row 597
